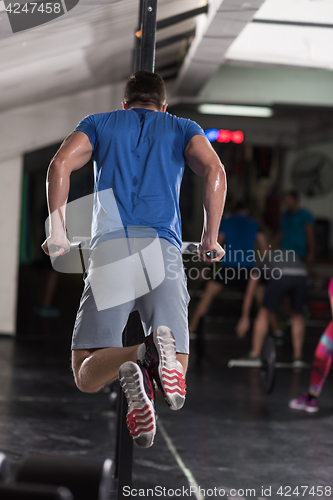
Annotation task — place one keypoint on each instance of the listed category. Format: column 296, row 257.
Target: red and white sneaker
column 162, row 365
column 140, row 394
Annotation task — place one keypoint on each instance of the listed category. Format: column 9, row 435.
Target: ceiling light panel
column 286, row 45
column 309, row 11
column 233, row 110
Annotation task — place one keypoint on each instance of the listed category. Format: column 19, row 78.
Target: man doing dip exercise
column 139, row 154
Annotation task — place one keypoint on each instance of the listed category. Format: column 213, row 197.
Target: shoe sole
column 172, row 382
column 140, row 419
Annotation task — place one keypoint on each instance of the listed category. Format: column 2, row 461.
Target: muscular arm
column 203, row 160
column 74, row 153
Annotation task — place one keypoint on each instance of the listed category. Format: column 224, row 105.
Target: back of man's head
column 293, row 193
column 291, row 200
column 145, row 88
column 241, row 206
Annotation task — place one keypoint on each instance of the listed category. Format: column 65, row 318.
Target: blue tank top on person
column 139, row 154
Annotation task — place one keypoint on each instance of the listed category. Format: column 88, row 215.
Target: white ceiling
column 225, row 21
column 278, row 35
column 312, row 11
column 89, row 47
column 92, row 45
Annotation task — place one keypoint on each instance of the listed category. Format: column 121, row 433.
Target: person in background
column 296, row 233
column 286, row 275
column 320, row 367
column 297, row 229
column 240, row 234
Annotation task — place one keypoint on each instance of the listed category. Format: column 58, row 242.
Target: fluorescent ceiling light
column 291, row 45
column 233, row 110
column 281, row 44
column 315, row 11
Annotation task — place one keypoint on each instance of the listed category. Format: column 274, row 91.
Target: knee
column 297, row 317
column 85, row 385
column 264, row 312
column 263, row 316
column 82, row 381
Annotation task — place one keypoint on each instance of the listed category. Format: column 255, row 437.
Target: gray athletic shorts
column 141, row 275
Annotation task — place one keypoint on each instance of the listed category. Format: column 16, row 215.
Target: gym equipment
column 267, row 369
column 267, row 365
column 81, row 243
column 85, row 479
column 193, row 248
column 4, row 468
column 124, row 446
column 25, row 491
column 145, row 37
column 78, row 243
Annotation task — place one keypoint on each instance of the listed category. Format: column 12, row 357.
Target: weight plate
column 4, row 468
column 267, row 370
column 86, row 479
column 24, row 491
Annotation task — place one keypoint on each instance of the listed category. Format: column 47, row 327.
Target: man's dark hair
column 241, row 206
column 145, row 87
column 293, row 193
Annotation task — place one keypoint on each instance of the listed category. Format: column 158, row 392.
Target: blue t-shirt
column 240, row 237
column 293, row 227
column 139, row 154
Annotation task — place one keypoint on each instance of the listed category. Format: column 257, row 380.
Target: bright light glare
column 232, row 110
column 291, row 45
column 319, row 11
column 214, row 134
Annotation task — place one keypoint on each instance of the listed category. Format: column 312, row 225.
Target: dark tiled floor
column 227, row 435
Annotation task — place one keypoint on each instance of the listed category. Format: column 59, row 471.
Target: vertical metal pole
column 144, row 58
column 145, row 40
column 124, row 445
column 148, row 47
column 125, row 451
column 138, row 40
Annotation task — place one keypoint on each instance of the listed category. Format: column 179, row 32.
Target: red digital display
column 225, row 136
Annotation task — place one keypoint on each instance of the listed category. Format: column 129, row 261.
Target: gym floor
column 228, row 436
